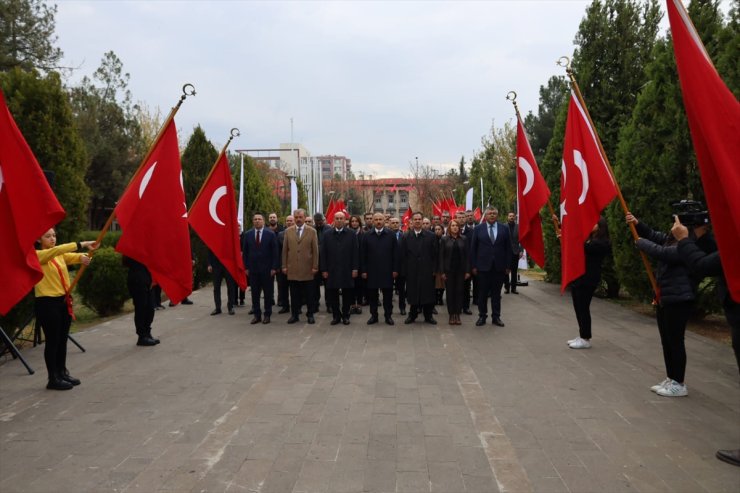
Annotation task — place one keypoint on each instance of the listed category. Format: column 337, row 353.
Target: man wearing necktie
column 300, row 261
column 379, row 266
column 490, row 253
column 339, row 265
column 260, row 255
column 418, row 258
column 400, row 280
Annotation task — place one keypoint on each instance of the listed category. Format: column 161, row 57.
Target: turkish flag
column 477, row 214
column 437, row 208
column 213, row 217
column 28, row 209
column 714, row 120
column 406, row 219
column 532, row 195
column 153, row 218
column 586, row 188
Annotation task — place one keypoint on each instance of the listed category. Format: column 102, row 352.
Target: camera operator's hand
column 679, row 231
column 631, row 219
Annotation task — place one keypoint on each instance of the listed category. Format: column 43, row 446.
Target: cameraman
column 705, row 264
column 675, row 304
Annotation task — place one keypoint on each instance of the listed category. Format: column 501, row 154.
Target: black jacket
column 339, row 256
column 675, row 283
column 418, row 265
column 595, row 251
column 446, row 245
column 379, row 258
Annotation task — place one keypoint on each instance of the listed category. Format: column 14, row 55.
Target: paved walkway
column 222, row 405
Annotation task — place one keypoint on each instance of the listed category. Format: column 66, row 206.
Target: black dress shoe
column 729, row 456
column 480, row 321
column 146, row 341
column 156, row 341
column 498, row 321
column 216, row 311
column 430, row 321
column 403, row 311
column 434, row 311
column 171, row 304
column 69, row 378
column 334, row 321
column 310, row 319
column 409, row 320
column 241, row 302
column 256, row 320
column 284, row 309
column 58, row 384
column 506, row 290
column 467, row 312
column 514, row 291
column 389, row 321
column 292, row 320
column 372, row 320
column 345, row 321
column 186, row 302
column 266, row 319
column 251, row 312
column 231, row 311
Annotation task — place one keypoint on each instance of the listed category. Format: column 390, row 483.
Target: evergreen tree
column 259, row 195
column 112, row 135
column 27, row 35
column 540, row 127
column 613, row 44
column 302, row 195
column 43, row 114
column 655, row 162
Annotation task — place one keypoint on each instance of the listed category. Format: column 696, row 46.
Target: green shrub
column 103, row 285
column 109, row 240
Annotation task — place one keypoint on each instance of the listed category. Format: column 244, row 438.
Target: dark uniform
column 339, row 257
column 418, row 259
column 379, row 260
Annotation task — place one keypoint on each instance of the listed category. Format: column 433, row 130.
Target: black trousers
column 141, row 294
column 282, row 283
column 489, row 285
column 427, row 310
column 157, row 295
column 220, row 275
column 262, row 282
column 332, row 298
column 469, row 282
column 54, row 319
column 373, row 297
column 582, row 296
column 301, row 292
column 511, row 279
column 455, row 285
column 400, row 282
column 672, row 321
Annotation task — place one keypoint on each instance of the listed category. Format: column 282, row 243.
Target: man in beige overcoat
column 300, row 263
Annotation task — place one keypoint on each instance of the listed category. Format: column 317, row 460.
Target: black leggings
column 582, row 296
column 672, row 321
column 54, row 319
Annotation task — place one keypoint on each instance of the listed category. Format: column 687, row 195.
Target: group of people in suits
column 357, row 265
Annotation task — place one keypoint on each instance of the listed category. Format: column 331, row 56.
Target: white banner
column 293, row 195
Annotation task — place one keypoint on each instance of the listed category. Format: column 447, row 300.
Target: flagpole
column 187, row 90
column 555, row 221
column 233, row 133
column 564, row 61
column 240, row 212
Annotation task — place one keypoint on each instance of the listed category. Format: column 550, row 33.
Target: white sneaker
column 580, row 344
column 572, row 341
column 673, row 389
column 662, row 384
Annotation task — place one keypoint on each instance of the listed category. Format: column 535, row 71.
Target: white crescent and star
column 528, row 173
column 563, row 212
column 146, row 179
column 581, row 165
column 217, row 195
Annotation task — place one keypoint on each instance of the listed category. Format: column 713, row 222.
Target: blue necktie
column 491, row 233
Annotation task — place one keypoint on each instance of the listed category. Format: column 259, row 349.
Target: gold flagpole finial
column 234, row 132
column 511, row 96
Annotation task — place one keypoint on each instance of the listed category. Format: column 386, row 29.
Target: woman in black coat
column 582, row 289
column 455, row 268
column 355, row 224
column 676, row 302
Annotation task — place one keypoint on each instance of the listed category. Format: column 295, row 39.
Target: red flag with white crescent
column 28, row 208
column 586, row 188
column 714, row 120
column 213, row 216
column 153, row 219
column 532, row 195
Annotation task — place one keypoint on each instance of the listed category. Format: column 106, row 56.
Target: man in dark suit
column 418, row 259
column 400, row 280
column 276, row 227
column 339, row 265
column 379, row 266
column 490, row 253
column 516, row 251
column 319, row 222
column 261, row 261
column 282, row 279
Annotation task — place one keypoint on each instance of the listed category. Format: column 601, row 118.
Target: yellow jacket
column 51, row 284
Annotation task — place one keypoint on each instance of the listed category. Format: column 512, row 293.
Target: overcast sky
column 379, row 82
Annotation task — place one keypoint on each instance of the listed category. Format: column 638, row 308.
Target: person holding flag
column 53, row 304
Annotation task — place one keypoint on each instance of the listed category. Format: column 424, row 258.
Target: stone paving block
column 382, row 447
column 412, row 482
column 411, row 457
column 380, row 477
column 479, row 484
column 445, row 477
column 314, row 477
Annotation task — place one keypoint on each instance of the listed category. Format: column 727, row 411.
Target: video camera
column 690, row 212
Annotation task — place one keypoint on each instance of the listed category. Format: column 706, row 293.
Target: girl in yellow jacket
column 54, row 304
